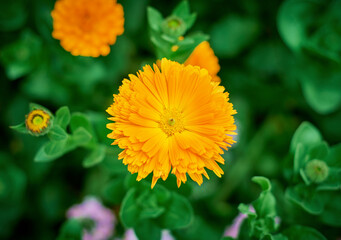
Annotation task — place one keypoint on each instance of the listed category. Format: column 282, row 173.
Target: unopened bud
column 38, row 122
column 174, row 26
column 316, row 170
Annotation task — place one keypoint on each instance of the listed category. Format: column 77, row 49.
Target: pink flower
column 101, row 220
column 233, row 230
column 130, row 235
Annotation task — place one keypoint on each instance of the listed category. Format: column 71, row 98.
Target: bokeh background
column 280, row 62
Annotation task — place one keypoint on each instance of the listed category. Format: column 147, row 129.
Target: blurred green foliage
column 280, row 62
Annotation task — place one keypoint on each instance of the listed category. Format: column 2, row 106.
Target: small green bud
column 174, row 26
column 316, row 170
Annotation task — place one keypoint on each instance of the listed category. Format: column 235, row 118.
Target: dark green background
column 280, row 62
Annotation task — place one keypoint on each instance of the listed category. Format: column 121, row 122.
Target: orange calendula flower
column 203, row 56
column 87, row 27
column 172, row 117
column 37, row 122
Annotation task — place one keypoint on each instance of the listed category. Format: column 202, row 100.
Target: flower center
column 88, row 224
column 37, row 120
column 87, row 21
column 172, row 121
column 174, row 22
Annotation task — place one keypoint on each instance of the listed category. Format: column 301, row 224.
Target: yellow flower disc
column 37, row 122
column 204, row 57
column 87, row 27
column 172, row 117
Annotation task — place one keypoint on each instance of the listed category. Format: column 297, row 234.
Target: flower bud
column 174, row 26
column 316, row 170
column 38, row 122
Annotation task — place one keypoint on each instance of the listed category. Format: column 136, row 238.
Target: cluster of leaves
column 264, row 223
column 61, row 142
column 316, row 177
column 167, row 35
column 314, row 182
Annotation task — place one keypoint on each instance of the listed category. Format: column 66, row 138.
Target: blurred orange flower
column 87, row 27
column 172, row 117
column 204, row 57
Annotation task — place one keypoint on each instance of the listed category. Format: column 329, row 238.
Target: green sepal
column 21, row 128
column 155, row 19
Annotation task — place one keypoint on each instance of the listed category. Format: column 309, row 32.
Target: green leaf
column 265, row 205
column 332, row 211
column 263, row 182
column 303, row 233
column 322, row 97
column 155, row 19
column 333, row 181
column 179, row 213
column 147, row 230
column 334, row 157
column 95, row 157
column 148, row 202
column 53, row 150
column 42, row 156
column 20, row 128
column 307, row 135
column 114, row 191
column 319, row 151
column 279, row 237
column 306, row 197
column 300, row 158
column 304, row 176
column 80, row 137
column 293, row 20
column 232, row 34
column 50, row 151
column 129, row 212
column 71, row 230
column 55, row 147
column 262, row 227
column 79, row 120
column 56, row 133
column 182, row 11
column 62, row 117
